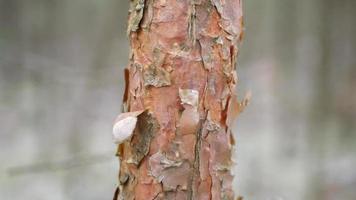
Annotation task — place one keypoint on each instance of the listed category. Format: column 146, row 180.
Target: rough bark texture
column 182, row 72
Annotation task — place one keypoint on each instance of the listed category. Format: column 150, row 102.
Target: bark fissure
column 136, row 14
column 192, row 25
column 196, row 164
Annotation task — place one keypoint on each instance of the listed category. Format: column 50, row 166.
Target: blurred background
column 61, row 83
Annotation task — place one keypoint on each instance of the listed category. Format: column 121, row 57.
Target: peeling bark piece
column 220, row 151
column 176, row 177
column 136, row 87
column 204, row 161
column 158, row 57
column 176, row 195
column 136, row 14
column 191, row 22
column 207, row 52
column 216, row 188
column 127, row 81
column 159, row 162
column 231, row 14
column 211, row 125
column 124, row 178
column 226, row 195
column 190, row 97
column 204, row 190
column 147, row 191
column 116, row 194
column 219, row 40
column 124, row 175
column 120, row 150
column 124, row 126
column 233, row 109
column 147, row 20
column 156, row 76
column 232, row 139
column 147, row 126
column 126, row 92
column 189, row 121
column 226, row 180
column 127, row 194
column 225, row 55
column 224, row 97
column 226, row 185
column 186, row 147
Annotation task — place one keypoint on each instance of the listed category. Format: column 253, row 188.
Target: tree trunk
column 182, row 77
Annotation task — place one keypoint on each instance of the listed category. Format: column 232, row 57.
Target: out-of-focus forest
column 61, row 82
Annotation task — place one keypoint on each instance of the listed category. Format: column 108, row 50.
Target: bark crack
column 192, row 26
column 196, row 164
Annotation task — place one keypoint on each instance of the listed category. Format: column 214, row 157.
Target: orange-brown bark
column 182, row 72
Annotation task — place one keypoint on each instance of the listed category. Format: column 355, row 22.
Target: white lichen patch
column 156, row 76
column 211, row 125
column 159, row 162
column 188, row 96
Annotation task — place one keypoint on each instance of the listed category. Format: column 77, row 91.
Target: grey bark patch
column 206, row 52
column 175, row 177
column 136, row 15
column 123, row 178
column 212, row 126
column 156, row 76
column 189, row 96
column 158, row 57
column 146, row 127
column 228, row 15
column 159, row 162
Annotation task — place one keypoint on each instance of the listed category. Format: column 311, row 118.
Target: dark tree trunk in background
column 182, row 73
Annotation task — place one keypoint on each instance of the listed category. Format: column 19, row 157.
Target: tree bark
column 182, row 74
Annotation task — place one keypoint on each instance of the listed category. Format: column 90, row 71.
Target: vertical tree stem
column 182, row 72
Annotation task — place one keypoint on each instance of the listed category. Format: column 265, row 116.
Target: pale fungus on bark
column 124, row 126
column 123, row 129
column 188, row 96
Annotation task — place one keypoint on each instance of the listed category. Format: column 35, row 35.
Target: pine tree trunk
column 182, row 76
